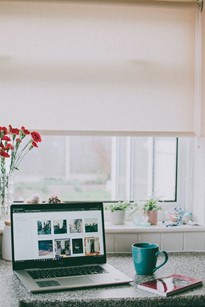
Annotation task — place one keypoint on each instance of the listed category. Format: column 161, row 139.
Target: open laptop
column 61, row 246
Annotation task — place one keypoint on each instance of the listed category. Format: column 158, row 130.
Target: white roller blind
column 203, row 76
column 105, row 68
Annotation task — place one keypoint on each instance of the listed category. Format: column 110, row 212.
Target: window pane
column 74, row 168
column 165, row 168
column 141, row 170
column 122, row 169
column 98, row 168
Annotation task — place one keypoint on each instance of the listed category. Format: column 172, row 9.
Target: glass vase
column 6, row 196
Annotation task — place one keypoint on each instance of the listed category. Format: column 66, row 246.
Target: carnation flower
column 36, row 136
column 14, row 145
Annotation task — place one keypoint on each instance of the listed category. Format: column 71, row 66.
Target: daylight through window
column 85, row 168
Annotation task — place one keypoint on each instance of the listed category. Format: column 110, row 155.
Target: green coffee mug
column 145, row 258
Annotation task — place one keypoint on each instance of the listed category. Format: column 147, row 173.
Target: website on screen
column 55, row 235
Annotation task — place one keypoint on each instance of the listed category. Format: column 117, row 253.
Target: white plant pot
column 117, row 217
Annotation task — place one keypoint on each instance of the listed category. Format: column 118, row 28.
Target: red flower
column 34, row 144
column 25, row 131
column 3, row 129
column 4, row 154
column 36, row 136
column 9, row 146
column 2, row 147
column 6, row 138
column 14, row 130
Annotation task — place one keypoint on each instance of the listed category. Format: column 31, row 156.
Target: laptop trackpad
column 74, row 281
column 47, row 283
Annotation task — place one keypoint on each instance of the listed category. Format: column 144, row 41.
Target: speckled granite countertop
column 13, row 294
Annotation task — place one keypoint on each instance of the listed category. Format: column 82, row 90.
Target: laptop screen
column 47, row 235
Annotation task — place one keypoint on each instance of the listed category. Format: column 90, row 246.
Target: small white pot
column 117, row 217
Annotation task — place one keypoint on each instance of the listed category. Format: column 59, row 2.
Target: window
column 99, row 168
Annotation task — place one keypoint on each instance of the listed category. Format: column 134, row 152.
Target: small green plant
column 151, row 205
column 121, row 205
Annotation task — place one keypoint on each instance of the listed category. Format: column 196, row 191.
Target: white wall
column 170, row 239
column 199, row 182
column 203, row 73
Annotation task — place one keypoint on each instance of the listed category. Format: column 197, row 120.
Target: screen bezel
column 70, row 261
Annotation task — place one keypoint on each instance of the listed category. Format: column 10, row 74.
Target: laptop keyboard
column 63, row 272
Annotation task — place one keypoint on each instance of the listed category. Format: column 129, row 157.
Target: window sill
column 130, row 227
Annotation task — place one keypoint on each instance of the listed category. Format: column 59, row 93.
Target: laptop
column 61, row 246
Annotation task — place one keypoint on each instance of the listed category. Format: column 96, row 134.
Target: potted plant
column 151, row 208
column 117, row 212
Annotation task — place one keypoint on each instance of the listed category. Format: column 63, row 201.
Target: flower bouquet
column 14, row 146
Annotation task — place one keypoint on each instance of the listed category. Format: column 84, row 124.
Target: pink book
column 170, row 285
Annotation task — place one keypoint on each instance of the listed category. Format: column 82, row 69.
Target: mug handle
column 165, row 259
